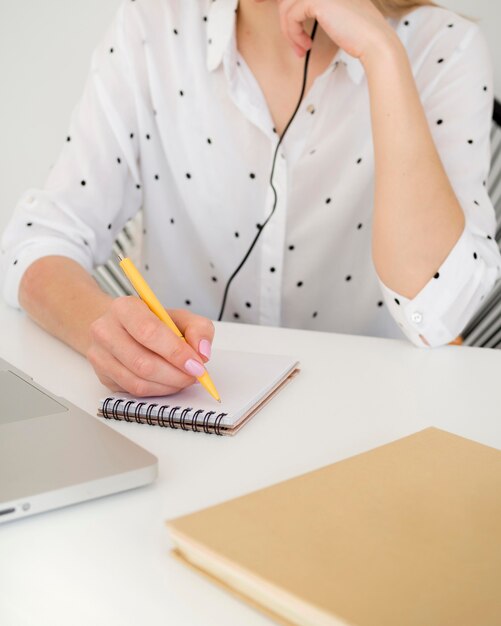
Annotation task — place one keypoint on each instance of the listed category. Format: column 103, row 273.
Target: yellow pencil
column 146, row 294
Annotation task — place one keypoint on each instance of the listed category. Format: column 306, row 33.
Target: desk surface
column 107, row 561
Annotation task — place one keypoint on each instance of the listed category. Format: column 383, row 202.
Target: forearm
column 62, row 298
column 417, row 217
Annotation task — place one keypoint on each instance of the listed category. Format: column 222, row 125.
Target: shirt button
column 30, row 199
column 310, row 108
column 417, row 317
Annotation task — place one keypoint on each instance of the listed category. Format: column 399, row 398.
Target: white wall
column 45, row 50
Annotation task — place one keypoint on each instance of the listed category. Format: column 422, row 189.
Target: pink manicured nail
column 194, row 368
column 204, row 348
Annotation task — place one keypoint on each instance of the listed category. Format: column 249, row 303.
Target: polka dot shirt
column 172, row 121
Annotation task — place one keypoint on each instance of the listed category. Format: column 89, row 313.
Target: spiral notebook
column 246, row 382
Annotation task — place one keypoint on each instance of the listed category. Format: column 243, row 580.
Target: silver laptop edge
column 53, row 454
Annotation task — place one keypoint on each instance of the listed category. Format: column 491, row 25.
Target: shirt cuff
column 14, row 265
column 442, row 309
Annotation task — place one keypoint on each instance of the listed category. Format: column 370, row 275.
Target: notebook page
column 241, row 378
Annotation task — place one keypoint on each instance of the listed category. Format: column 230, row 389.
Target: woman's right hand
column 131, row 350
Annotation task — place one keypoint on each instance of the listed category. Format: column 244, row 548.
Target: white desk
column 107, row 561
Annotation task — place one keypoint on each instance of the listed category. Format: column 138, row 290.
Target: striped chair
column 484, row 330
column 109, row 276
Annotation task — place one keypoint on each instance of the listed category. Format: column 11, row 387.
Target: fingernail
column 194, row 368
column 204, row 348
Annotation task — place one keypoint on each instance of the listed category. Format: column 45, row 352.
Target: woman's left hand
column 356, row 26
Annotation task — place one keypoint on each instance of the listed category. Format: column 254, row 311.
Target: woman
column 181, row 114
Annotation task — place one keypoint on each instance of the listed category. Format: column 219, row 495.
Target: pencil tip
column 118, row 257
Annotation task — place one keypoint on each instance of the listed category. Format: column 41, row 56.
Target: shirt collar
column 220, row 29
column 353, row 66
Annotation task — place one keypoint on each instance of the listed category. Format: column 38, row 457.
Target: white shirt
column 172, row 120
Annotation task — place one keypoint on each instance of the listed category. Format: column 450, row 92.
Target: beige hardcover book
column 408, row 534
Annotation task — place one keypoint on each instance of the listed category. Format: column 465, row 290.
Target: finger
column 144, row 363
column 301, row 52
column 110, row 336
column 197, row 330
column 118, row 378
column 295, row 30
column 294, row 15
column 150, row 332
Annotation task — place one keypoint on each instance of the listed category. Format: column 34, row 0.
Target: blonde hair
column 396, row 8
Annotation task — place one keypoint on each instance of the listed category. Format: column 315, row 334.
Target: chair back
column 484, row 330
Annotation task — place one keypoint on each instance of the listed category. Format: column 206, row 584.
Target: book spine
column 163, row 415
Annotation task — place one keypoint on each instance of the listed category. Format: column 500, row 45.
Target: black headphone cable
column 275, row 196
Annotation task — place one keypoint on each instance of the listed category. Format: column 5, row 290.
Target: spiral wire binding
column 197, row 422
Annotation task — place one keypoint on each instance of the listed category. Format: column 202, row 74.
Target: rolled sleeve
column 94, row 187
column 21, row 257
column 458, row 103
column 440, row 311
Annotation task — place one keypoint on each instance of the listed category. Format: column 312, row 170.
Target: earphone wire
column 275, row 195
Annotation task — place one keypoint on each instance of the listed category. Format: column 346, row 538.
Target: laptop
column 53, row 454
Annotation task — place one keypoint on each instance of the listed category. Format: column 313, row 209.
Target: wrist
column 382, row 49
